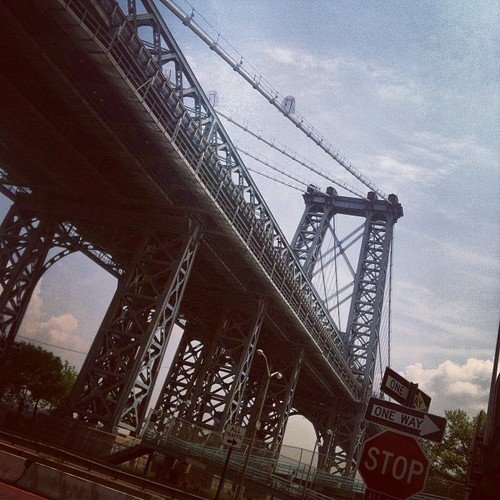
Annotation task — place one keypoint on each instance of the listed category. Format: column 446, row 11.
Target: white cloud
column 306, row 61
column 452, row 385
column 381, row 82
column 60, row 329
column 58, row 333
column 450, row 153
column 400, row 173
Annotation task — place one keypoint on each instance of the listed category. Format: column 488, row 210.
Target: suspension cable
column 292, row 155
column 257, row 81
column 274, row 167
column 275, row 179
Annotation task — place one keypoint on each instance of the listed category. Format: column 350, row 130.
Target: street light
column 306, row 486
column 269, row 376
column 329, row 433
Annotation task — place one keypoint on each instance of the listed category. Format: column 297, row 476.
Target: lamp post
column 309, row 469
column 269, row 376
column 329, row 433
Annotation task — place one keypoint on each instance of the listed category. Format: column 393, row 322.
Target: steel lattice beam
column 313, row 226
column 26, row 238
column 362, row 334
column 25, row 241
column 116, row 380
column 209, row 375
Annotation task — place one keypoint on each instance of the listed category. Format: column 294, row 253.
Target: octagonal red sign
column 394, row 464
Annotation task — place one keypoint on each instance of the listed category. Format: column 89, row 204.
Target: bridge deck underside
column 76, row 135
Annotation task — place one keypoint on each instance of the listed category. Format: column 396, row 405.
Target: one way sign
column 407, row 420
column 233, row 436
column 398, row 388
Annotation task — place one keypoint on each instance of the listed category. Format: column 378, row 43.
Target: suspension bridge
column 110, row 147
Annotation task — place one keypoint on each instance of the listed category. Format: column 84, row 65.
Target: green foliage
column 449, row 459
column 35, row 378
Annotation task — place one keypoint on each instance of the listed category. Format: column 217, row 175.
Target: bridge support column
column 115, row 383
column 346, row 440
column 207, row 379
column 365, row 314
column 25, row 241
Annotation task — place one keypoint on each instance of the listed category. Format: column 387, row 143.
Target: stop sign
column 393, row 464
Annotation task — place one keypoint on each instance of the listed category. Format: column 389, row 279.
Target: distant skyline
column 408, row 92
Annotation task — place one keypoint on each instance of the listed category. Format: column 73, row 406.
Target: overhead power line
column 51, row 345
column 258, row 82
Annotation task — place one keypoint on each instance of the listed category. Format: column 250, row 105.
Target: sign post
column 232, row 437
column 223, row 474
column 393, row 465
column 375, row 495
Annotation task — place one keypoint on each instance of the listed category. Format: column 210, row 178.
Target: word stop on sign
column 395, row 467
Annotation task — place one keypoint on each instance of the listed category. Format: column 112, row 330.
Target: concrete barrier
column 11, row 467
column 52, row 483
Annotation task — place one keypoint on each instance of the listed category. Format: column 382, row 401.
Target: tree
column 32, row 376
column 449, row 459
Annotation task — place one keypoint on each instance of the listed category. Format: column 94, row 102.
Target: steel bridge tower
column 344, row 428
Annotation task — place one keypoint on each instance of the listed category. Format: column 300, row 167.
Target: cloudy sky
column 408, row 92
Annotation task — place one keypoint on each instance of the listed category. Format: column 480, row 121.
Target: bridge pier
column 115, row 384
column 208, row 376
column 347, row 440
column 25, row 241
column 31, row 241
column 340, row 430
column 279, row 399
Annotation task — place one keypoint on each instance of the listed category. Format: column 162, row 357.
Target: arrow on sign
column 416, row 423
column 233, row 436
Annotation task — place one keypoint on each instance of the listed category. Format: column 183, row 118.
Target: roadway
column 8, row 492
column 48, row 468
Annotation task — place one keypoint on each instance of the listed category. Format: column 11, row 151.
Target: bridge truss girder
column 116, row 381
column 31, row 242
column 216, row 163
column 209, row 373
